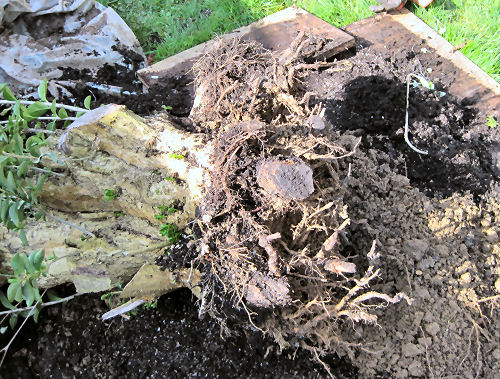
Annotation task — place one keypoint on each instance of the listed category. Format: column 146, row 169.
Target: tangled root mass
column 275, row 230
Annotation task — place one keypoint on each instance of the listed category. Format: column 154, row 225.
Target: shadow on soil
column 460, row 159
column 170, row 341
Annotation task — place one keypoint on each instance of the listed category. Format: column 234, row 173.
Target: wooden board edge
column 176, row 65
column 192, row 53
column 445, row 49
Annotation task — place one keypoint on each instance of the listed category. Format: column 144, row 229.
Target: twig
column 27, row 102
column 225, row 92
column 488, row 299
column 34, row 130
column 325, row 366
column 46, row 118
column 41, row 170
column 6, row 348
column 43, row 305
column 83, row 230
column 11, row 155
column 145, row 249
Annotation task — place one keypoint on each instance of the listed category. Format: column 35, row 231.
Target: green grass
column 180, row 25
column 475, row 25
column 183, row 24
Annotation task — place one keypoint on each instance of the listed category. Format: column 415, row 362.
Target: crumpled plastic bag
column 39, row 38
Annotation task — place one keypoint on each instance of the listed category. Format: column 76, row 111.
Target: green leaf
column 17, row 109
column 38, row 256
column 34, row 151
column 4, row 209
column 7, row 94
column 14, row 215
column 62, row 113
column 27, row 264
column 52, row 296
column 86, row 102
column 53, row 108
column 32, row 144
column 17, row 264
column 19, row 293
column 13, row 321
column 170, row 231
column 33, row 141
column 18, row 143
column 37, row 291
column 3, row 180
column 3, row 329
column 5, row 302
column 39, row 183
column 425, row 83
column 31, row 257
column 12, row 291
column 22, row 237
column 23, row 167
column 51, row 125
column 28, row 294
column 36, row 313
column 42, row 90
column 28, row 117
column 11, row 182
column 38, row 109
column 110, row 194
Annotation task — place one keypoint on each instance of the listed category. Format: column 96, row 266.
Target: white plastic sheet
column 39, row 38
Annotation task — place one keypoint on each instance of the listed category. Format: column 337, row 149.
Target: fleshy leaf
column 42, row 90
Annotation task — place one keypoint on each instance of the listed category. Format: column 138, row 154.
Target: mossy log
column 148, row 163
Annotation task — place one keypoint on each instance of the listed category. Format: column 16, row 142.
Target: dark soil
column 172, row 94
column 460, row 157
column 169, row 341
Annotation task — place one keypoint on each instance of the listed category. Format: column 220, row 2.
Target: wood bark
column 149, row 163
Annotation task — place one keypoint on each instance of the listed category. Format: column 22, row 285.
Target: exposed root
column 325, row 366
column 274, row 242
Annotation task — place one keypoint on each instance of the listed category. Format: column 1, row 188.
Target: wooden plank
column 383, row 32
column 276, row 32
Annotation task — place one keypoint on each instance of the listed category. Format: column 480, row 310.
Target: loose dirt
column 434, row 220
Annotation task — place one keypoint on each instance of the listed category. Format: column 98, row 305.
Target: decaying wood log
column 148, row 163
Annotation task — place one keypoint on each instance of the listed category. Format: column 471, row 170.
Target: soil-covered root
column 274, row 225
column 239, row 80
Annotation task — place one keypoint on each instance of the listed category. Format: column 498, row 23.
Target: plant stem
column 57, row 118
column 43, row 305
column 38, row 169
column 83, row 230
column 406, row 116
column 6, row 348
column 33, row 130
column 19, row 156
column 27, row 102
column 46, row 118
